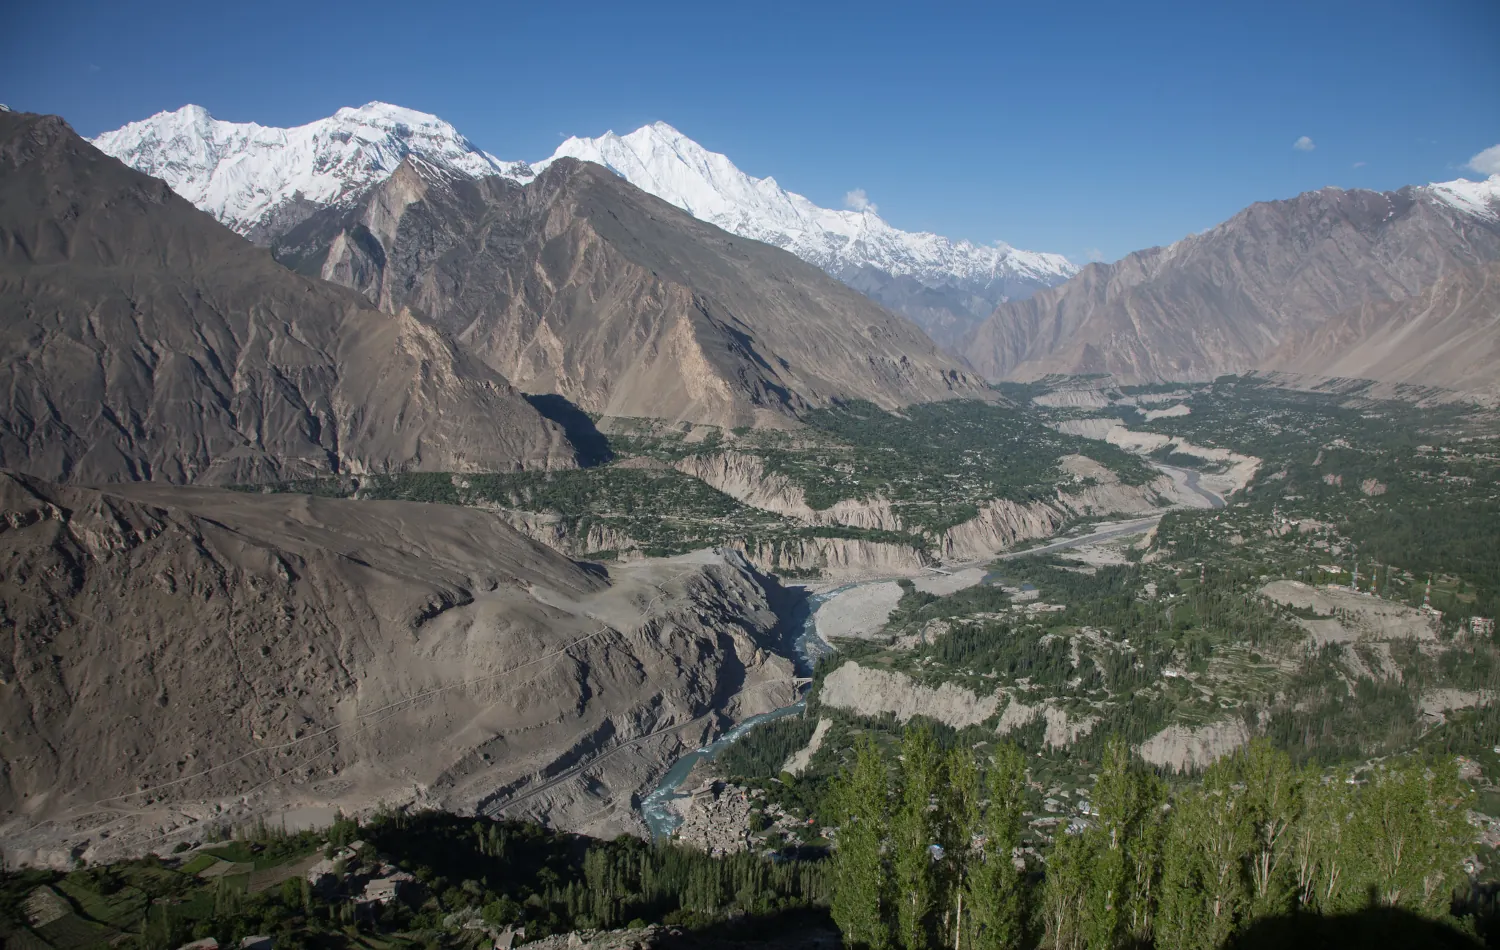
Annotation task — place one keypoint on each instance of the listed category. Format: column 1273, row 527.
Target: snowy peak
column 661, row 160
column 262, row 181
column 1478, row 198
column 247, row 175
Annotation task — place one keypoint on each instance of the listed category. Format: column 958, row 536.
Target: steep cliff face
column 1224, row 300
column 579, row 283
column 175, row 656
column 1002, row 524
column 745, row 479
column 871, row 692
column 837, row 558
column 143, row 340
column 1086, row 488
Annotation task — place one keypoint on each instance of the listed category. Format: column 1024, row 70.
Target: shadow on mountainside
column 1375, row 928
column 593, row 448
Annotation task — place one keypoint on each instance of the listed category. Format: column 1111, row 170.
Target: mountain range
column 1281, row 285
column 580, row 284
column 144, row 340
column 262, row 181
column 1301, row 283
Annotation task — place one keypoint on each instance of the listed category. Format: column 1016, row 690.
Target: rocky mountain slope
column 1447, row 335
column 177, row 657
column 262, row 181
column 1223, row 301
column 945, row 286
column 581, row 284
column 143, row 340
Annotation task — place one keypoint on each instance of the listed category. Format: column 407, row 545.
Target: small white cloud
column 857, row 200
column 1360, row 164
column 1487, row 162
column 1304, row 144
column 1093, row 254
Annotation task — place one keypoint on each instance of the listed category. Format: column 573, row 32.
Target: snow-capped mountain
column 1478, row 198
column 661, row 160
column 260, row 181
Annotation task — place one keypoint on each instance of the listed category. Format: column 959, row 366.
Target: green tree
column 959, row 824
column 1065, row 891
column 861, row 882
column 1126, row 841
column 914, row 831
column 1209, row 839
column 1273, row 804
column 1412, row 834
column 995, row 886
column 1321, row 853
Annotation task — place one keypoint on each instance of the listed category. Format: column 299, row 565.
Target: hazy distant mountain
column 1225, row 300
column 143, row 340
column 582, row 284
column 262, row 181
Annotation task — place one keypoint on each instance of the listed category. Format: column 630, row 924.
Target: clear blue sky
column 1084, row 128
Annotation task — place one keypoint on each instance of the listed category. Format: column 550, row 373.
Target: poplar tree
column 1065, row 894
column 958, row 826
column 995, row 886
column 1204, row 880
column 1273, row 807
column 1318, row 854
column 1126, row 845
column 861, row 883
column 913, row 833
column 1411, row 833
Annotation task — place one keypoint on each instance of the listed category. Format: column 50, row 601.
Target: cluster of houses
column 359, row 872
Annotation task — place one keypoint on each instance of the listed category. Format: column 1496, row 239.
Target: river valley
column 657, row 808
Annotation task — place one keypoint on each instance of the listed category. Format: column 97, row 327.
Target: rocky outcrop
column 1279, row 272
column 1061, row 730
column 836, row 557
column 1184, row 749
column 1089, row 488
column 143, row 340
column 798, row 761
column 745, row 479
column 870, row 692
column 579, row 283
column 830, row 557
column 1002, row 524
column 179, row 657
